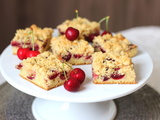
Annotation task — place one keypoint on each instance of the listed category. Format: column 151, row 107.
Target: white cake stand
column 91, row 102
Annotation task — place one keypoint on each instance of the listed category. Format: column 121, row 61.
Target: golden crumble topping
column 32, row 36
column 45, row 70
column 112, row 68
column 61, row 45
column 109, row 59
column 116, row 43
column 84, row 26
column 38, row 33
column 46, row 62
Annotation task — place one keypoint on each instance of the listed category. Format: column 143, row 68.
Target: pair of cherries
column 76, row 78
column 24, row 53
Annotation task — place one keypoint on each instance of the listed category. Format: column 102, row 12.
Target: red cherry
column 106, row 32
column 105, row 78
column 88, row 57
column 77, row 56
column 102, row 50
column 62, row 75
column 32, row 53
column 32, row 76
column 72, row 85
column 22, row 52
column 19, row 66
column 117, row 76
column 72, row 33
column 91, row 37
column 53, row 76
column 67, row 57
column 78, row 74
column 14, row 43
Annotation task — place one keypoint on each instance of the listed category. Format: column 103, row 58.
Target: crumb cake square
column 45, row 70
column 75, row 52
column 112, row 68
column 116, row 43
column 86, row 28
column 23, row 38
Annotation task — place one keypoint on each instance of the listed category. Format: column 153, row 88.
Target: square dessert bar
column 112, row 68
column 116, row 43
column 75, row 52
column 45, row 70
column 86, row 28
column 25, row 37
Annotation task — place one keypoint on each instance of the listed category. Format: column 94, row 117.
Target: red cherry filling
column 91, row 36
column 62, row 33
column 28, row 45
column 36, row 47
column 106, row 32
column 77, row 56
column 63, row 75
column 94, row 75
column 53, row 76
column 32, row 76
column 102, row 50
column 117, row 76
column 19, row 66
column 88, row 57
column 14, row 43
column 106, row 78
column 116, row 69
column 67, row 57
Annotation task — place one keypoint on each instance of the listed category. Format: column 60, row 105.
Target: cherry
column 14, row 43
column 94, row 75
column 62, row 75
column 31, row 77
column 105, row 32
column 67, row 57
column 72, row 85
column 102, row 50
column 53, row 76
column 22, row 53
column 105, row 78
column 32, row 53
column 117, row 76
column 78, row 74
column 36, row 47
column 77, row 56
column 91, row 36
column 19, row 66
column 71, row 33
column 88, row 57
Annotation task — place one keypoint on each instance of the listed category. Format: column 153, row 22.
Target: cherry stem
column 107, row 20
column 68, row 65
column 24, row 45
column 31, row 32
column 76, row 11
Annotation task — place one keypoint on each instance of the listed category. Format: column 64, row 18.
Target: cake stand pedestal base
column 54, row 110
